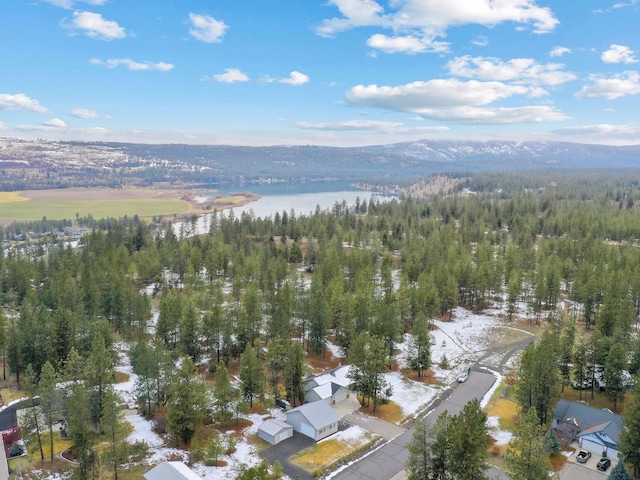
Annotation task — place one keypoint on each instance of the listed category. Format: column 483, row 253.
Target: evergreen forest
column 252, row 304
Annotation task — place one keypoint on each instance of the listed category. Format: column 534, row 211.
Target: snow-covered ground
column 410, row 396
column 502, row 437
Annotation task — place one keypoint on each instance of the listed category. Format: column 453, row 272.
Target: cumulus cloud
column 131, row 65
column 521, row 70
column 230, row 75
column 406, row 44
column 55, row 123
column 69, row 3
column 94, row 26
column 559, row 51
column 295, row 78
column 411, row 20
column 84, row 113
column 626, row 83
column 618, row 54
column 2, row 126
column 20, row 101
column 453, row 100
column 206, row 28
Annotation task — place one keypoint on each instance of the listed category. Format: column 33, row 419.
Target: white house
column 331, row 387
column 316, row 420
column 274, row 431
column 171, row 471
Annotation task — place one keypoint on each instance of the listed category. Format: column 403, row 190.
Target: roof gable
column 586, row 415
column 318, row 414
column 171, row 471
column 274, row 426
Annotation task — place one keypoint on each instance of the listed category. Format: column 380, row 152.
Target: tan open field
column 103, row 202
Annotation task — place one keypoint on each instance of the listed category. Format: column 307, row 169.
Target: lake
column 279, row 197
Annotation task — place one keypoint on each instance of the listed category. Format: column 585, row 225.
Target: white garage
column 274, row 431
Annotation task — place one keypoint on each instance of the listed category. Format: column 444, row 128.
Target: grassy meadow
column 101, row 203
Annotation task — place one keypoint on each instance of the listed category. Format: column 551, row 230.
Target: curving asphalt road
column 388, row 460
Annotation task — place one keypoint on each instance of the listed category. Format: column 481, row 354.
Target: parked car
column 583, row 456
column 603, row 464
column 464, row 375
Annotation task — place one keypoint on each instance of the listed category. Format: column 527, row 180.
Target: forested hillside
column 261, row 297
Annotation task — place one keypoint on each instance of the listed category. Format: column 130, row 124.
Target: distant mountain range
column 225, row 163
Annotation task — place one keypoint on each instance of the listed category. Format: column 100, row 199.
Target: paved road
column 387, row 461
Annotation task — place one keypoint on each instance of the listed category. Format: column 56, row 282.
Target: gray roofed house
column 331, row 386
column 315, row 420
column 596, row 430
column 274, row 431
column 171, row 471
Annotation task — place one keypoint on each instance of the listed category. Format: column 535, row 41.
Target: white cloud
column 131, row 65
column 602, row 129
column 523, row 70
column 415, row 96
column 2, row 126
column 453, row 100
column 350, row 125
column 20, row 101
column 429, row 19
column 69, row 3
column 230, row 75
column 54, row 122
column 206, row 28
column 406, row 44
column 295, row 78
column 625, row 4
column 626, row 83
column 559, row 51
column 369, row 125
column 94, row 26
column 618, row 54
column 84, row 113
column 480, row 41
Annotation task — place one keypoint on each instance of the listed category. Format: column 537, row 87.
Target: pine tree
column 251, row 375
column 222, row 395
column 186, row 403
column 30, row 424
column 630, row 435
column 526, row 458
column 47, row 386
column 619, row 472
column 419, row 354
column 469, row 437
column 419, row 460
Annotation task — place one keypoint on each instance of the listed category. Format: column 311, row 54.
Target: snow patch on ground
column 502, row 437
column 126, row 389
column 410, row 396
column 335, row 350
column 355, row 436
column 142, row 431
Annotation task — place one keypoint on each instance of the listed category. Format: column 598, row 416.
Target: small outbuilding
column 316, row 420
column 171, row 471
column 274, row 431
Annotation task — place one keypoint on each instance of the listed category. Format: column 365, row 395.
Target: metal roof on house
column 337, row 375
column 604, row 431
column 590, row 417
column 318, row 414
column 171, row 471
column 274, row 426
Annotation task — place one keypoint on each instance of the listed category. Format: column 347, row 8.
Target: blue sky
column 326, row 72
